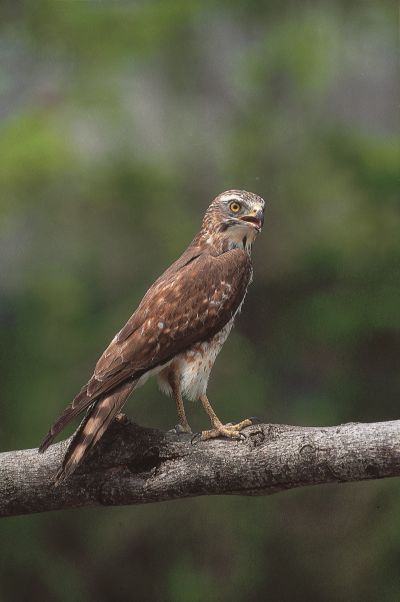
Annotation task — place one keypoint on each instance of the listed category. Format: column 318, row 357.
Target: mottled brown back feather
column 186, row 300
column 190, row 306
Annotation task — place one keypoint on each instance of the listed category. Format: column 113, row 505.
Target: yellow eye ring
column 235, row 207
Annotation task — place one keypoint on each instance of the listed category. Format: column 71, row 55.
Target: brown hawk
column 177, row 331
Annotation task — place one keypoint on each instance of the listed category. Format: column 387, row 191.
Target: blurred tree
column 119, row 122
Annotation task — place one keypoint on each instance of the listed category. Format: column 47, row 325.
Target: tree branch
column 135, row 465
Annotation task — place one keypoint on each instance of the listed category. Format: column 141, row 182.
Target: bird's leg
column 183, row 425
column 232, row 431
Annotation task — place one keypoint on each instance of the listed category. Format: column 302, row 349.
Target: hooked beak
column 256, row 218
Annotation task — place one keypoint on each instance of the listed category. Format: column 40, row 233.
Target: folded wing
column 187, row 304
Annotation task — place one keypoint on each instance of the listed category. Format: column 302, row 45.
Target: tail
column 92, row 428
column 81, row 402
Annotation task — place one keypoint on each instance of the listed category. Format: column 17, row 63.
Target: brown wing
column 188, row 305
column 190, row 302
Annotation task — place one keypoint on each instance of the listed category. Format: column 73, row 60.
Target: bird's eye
column 235, row 207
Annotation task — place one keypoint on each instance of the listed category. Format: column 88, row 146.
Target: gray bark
column 134, row 465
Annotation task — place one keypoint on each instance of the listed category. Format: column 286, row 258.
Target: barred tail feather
column 92, row 428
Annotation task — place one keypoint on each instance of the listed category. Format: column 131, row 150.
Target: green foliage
column 119, row 122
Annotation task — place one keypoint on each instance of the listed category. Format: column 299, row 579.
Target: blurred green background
column 120, row 121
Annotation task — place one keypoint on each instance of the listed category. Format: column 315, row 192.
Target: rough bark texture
column 134, row 465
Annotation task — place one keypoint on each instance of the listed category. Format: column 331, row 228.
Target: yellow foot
column 230, row 431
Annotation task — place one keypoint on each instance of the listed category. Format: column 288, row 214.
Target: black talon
column 242, row 437
column 195, row 439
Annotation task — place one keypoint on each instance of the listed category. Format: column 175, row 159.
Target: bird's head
column 235, row 217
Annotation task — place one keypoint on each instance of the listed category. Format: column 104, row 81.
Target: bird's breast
column 193, row 366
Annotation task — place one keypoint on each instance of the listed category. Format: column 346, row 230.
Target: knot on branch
column 308, row 453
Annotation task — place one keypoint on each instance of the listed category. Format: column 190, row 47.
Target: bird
column 176, row 332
